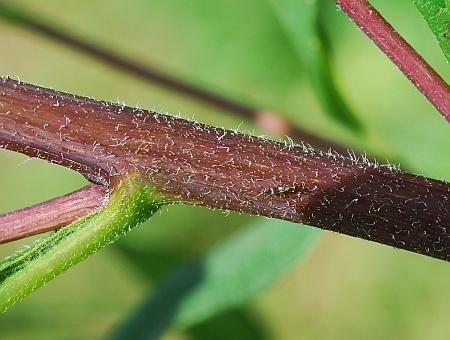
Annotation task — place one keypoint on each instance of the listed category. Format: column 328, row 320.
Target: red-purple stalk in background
column 400, row 52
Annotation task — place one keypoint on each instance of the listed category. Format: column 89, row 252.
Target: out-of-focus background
column 345, row 288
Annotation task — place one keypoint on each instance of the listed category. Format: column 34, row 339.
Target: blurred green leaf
column 11, row 13
column 229, row 275
column 299, row 18
column 232, row 324
column 165, row 241
column 29, row 269
column 437, row 16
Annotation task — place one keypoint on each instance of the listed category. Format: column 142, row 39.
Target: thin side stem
column 52, row 214
column 203, row 165
column 154, row 76
column 415, row 68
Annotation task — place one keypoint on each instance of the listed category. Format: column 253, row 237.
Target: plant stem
column 151, row 75
column 52, row 214
column 400, row 52
column 199, row 164
column 22, row 273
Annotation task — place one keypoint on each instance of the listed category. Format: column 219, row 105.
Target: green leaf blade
column 244, row 266
column 437, row 16
column 226, row 277
column 299, row 20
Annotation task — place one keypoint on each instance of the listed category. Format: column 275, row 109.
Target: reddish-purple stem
column 209, row 166
column 400, row 52
column 52, row 214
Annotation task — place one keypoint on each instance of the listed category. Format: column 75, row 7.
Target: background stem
column 52, row 214
column 415, row 68
column 152, row 75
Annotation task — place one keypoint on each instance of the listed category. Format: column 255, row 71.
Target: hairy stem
column 52, row 214
column 199, row 164
column 415, row 68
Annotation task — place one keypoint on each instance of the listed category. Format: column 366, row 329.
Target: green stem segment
column 131, row 203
